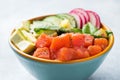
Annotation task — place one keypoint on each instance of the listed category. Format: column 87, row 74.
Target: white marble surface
column 14, row 11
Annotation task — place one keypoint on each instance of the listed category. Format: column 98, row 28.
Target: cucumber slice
column 69, row 17
column 43, row 25
column 54, row 20
column 40, row 24
column 39, row 27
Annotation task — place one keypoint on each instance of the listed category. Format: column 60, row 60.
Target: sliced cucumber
column 54, row 20
column 69, row 17
column 40, row 24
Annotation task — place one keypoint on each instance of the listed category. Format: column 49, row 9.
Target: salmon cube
column 60, row 41
column 42, row 53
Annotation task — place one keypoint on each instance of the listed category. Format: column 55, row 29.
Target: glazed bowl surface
column 44, row 69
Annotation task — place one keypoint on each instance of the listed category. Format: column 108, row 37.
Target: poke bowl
column 65, row 46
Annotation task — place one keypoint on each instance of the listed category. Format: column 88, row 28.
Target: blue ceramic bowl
column 80, row 69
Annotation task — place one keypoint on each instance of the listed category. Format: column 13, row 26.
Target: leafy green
column 59, row 31
column 46, row 31
column 39, row 30
column 109, row 32
column 89, row 28
column 76, row 30
column 64, row 30
column 86, row 29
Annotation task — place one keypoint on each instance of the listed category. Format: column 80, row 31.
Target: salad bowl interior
column 111, row 41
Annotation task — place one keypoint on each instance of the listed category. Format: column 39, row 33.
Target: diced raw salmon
column 77, row 40
column 88, row 40
column 103, row 42
column 42, row 53
column 60, row 41
column 94, row 49
column 43, row 41
column 66, row 54
column 82, row 53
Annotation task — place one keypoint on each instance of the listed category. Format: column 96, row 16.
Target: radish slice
column 98, row 20
column 94, row 18
column 81, row 16
column 84, row 13
column 78, row 20
column 83, row 19
column 85, row 16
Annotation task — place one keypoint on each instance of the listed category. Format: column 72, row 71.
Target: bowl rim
column 25, row 55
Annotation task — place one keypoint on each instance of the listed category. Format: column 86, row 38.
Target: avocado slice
column 23, row 40
column 100, row 33
column 26, row 46
column 26, row 25
column 28, row 36
column 17, row 36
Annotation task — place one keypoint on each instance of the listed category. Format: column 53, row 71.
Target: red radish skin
column 94, row 18
column 79, row 21
column 85, row 16
column 84, row 21
column 81, row 16
column 98, row 18
column 84, row 13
